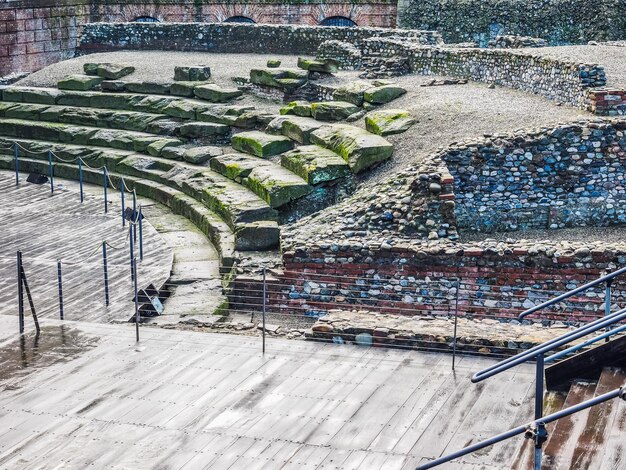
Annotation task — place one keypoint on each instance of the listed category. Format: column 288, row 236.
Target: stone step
column 260, row 143
column 360, row 149
column 172, row 106
column 315, row 164
column 252, row 220
column 85, row 135
column 297, row 128
column 96, row 117
column 272, row 183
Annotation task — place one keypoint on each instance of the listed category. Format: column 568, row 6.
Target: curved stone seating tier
column 96, row 117
column 250, row 220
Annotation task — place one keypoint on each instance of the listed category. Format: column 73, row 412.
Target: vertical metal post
column 456, row 318
column 20, row 293
column 538, row 407
column 106, row 273
column 134, row 264
column 60, row 280
column 17, row 166
column 105, row 186
column 607, row 304
column 140, row 234
column 134, row 215
column 132, row 252
column 539, row 387
column 264, row 308
column 51, row 171
column 80, row 177
column 123, row 208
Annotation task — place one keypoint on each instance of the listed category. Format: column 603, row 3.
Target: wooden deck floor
column 89, row 396
column 49, row 227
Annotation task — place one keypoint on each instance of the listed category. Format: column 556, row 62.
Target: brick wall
column 36, row 33
column 607, row 102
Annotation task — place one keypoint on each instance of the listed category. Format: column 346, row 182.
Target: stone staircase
column 175, row 149
column 591, row 439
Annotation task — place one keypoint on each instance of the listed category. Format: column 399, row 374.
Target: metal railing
column 536, row 429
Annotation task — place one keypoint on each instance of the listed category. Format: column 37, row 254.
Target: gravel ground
column 612, row 58
column 452, row 113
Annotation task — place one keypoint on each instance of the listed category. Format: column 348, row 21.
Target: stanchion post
column 123, row 208
column 106, row 273
column 105, row 186
column 264, row 307
column 80, row 177
column 17, row 166
column 60, row 281
column 132, row 252
column 134, row 263
column 20, row 292
column 140, row 234
column 135, row 214
column 51, row 172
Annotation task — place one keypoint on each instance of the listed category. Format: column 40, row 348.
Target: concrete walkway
column 86, row 395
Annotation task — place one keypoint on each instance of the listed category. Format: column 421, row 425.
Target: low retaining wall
column 231, row 37
column 495, row 280
column 559, row 80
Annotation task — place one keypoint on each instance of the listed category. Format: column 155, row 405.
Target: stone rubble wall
column 559, row 21
column 568, row 176
column 231, row 37
column 347, row 54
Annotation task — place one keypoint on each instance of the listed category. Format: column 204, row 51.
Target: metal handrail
column 548, row 346
column 534, row 430
column 567, row 295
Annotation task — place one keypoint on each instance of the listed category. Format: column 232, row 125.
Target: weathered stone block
column 261, row 144
column 315, row 164
column 299, row 108
column 203, row 130
column 79, row 82
column 383, row 94
column 388, row 121
column 198, row 73
column 360, row 149
column 333, row 110
column 108, row 71
column 215, row 93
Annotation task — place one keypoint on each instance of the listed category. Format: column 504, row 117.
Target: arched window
column 337, row 21
column 239, row 19
column 145, row 19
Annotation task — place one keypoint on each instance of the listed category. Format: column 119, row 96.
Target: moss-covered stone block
column 383, row 94
column 360, row 149
column 315, row 164
column 196, row 73
column 203, row 130
column 79, row 82
column 333, row 110
column 352, row 92
column 273, row 63
column 108, row 71
column 201, row 155
column 261, row 144
column 156, row 148
column 216, row 93
column 299, row 108
column 148, row 88
column 295, row 127
column 319, row 65
column 388, row 121
column 226, row 114
column 184, row 88
column 284, row 78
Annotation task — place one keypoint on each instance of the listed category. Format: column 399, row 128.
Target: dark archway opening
column 337, row 21
column 239, row 19
column 145, row 19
